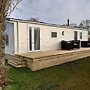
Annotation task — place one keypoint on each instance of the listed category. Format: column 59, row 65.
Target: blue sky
column 53, row 11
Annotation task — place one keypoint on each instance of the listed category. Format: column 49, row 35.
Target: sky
column 53, row 11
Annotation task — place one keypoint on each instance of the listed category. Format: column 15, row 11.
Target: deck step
column 14, row 61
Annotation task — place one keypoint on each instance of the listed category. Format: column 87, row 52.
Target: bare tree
column 85, row 24
column 6, row 7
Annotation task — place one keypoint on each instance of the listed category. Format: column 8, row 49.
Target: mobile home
column 27, row 36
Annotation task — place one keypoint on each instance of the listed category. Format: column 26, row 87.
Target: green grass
column 70, row 76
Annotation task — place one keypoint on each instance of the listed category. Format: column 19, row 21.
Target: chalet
column 27, row 36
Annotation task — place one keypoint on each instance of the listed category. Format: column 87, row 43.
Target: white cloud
column 54, row 11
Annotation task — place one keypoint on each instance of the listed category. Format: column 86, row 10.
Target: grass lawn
column 70, row 76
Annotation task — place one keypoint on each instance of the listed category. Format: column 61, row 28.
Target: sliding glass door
column 34, row 39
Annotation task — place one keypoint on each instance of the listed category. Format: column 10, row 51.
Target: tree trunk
column 3, row 70
column 5, row 6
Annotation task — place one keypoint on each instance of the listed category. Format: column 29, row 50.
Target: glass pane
column 80, row 35
column 37, row 38
column 53, row 34
column 30, row 38
column 75, row 35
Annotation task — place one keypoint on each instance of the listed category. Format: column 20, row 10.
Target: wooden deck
column 40, row 54
column 44, row 59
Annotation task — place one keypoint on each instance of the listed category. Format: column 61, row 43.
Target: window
column 7, row 39
column 80, row 35
column 53, row 34
column 62, row 32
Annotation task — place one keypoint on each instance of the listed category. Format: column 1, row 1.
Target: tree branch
column 13, row 5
